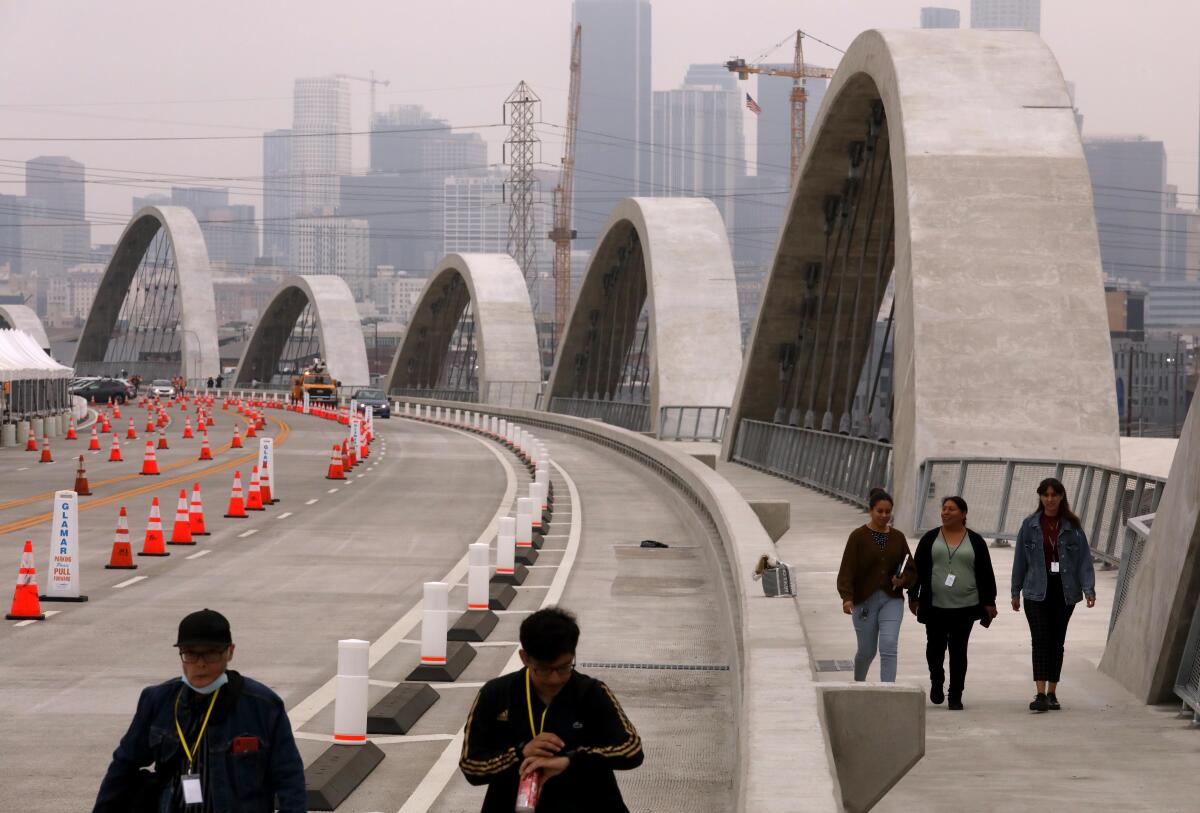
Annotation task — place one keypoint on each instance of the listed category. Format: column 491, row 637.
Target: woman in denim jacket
column 1053, row 568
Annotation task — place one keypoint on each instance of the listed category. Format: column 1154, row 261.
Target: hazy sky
column 217, row 68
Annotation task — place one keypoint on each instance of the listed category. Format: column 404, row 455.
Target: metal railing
column 698, row 423
column 1187, row 682
column 465, row 396
column 517, row 394
column 625, row 414
column 838, row 465
column 1002, row 492
column 1137, row 534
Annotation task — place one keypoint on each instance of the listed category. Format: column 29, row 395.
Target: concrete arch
column 690, row 295
column 198, row 311
column 998, row 284
column 343, row 347
column 23, row 317
column 509, row 368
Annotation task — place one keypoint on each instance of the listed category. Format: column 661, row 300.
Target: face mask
column 210, row 688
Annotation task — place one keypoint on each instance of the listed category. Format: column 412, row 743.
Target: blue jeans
column 880, row 629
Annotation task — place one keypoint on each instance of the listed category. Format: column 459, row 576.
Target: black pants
column 952, row 628
column 1048, row 622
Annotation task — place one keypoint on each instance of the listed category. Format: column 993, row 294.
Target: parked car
column 162, row 388
column 376, row 399
column 103, row 391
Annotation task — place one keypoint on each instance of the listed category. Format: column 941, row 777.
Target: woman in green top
column 955, row 587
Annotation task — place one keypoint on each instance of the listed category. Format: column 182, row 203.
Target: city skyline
column 467, row 88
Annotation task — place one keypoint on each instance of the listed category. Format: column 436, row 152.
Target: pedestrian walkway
column 1104, row 751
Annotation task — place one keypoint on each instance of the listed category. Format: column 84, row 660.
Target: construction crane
column 562, row 234
column 373, row 81
column 799, row 72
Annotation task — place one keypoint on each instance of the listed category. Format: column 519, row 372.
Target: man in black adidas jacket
column 547, row 717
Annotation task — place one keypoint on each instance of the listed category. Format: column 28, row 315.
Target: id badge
column 192, row 792
column 950, row 580
column 1054, row 568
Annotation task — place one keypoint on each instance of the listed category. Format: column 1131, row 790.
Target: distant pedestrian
column 209, row 384
column 876, row 566
column 550, row 720
column 220, row 381
column 219, row 741
column 1052, row 567
column 956, row 587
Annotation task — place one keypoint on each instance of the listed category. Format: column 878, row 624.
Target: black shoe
column 1040, row 703
column 956, row 703
column 1052, row 702
column 936, row 696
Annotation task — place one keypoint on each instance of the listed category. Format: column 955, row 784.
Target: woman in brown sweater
column 876, row 566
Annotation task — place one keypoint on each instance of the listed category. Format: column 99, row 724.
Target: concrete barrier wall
column 784, row 760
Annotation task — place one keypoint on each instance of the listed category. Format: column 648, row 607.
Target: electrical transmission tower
column 521, row 110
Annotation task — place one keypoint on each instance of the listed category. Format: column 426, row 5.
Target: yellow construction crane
column 373, row 81
column 799, row 72
column 562, row 234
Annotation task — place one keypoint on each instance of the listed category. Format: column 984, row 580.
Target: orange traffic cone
column 254, row 500
column 122, row 553
column 162, row 417
column 94, row 443
column 25, row 605
column 205, row 452
column 353, row 455
column 336, row 472
column 81, row 482
column 181, row 534
column 264, row 485
column 196, row 512
column 116, row 410
column 237, row 439
column 31, row 443
column 114, row 454
column 105, row 426
column 149, row 423
column 162, row 439
column 131, row 434
column 149, row 460
column 237, row 507
column 209, row 420
column 46, row 458
column 260, row 420
column 346, row 465
column 71, row 434
column 152, row 545
column 187, row 429
column 250, row 433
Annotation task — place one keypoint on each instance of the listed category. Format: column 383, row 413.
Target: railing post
column 926, row 476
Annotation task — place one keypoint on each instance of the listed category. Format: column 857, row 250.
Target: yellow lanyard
column 529, row 705
column 190, row 754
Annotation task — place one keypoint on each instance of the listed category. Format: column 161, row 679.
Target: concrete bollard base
column 458, row 655
column 62, row 598
column 500, row 596
column 337, row 772
column 526, row 556
column 518, row 576
column 473, row 626
column 401, row 708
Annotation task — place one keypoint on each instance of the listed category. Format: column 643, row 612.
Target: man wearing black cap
column 219, row 742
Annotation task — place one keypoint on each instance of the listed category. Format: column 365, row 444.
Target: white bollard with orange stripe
column 350, row 703
column 433, row 623
column 478, row 573
column 507, row 570
column 526, row 553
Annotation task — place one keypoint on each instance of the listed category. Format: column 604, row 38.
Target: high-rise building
column 613, row 146
column 329, row 244
column 277, row 195
column 933, row 17
column 699, row 143
column 321, row 141
column 58, row 183
column 412, row 153
column 1022, row 14
column 10, row 228
column 1181, row 239
column 230, row 231
column 1129, row 185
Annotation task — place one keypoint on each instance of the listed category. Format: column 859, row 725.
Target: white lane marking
column 308, row 708
column 532, row 566
column 250, row 532
column 200, row 553
column 27, row 622
column 310, row 502
column 393, row 739
column 473, row 643
column 512, row 612
column 23, row 468
column 430, row 788
column 284, row 515
column 332, row 491
column 128, row 582
column 361, row 475
column 531, row 587
column 387, row 684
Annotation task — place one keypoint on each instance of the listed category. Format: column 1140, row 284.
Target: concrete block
column 876, row 732
column 337, row 772
column 707, row 458
column 473, row 626
column 526, row 556
column 775, row 516
column 458, row 655
column 401, row 708
column 518, row 576
column 500, row 596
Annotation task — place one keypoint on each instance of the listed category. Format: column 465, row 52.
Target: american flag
column 752, row 105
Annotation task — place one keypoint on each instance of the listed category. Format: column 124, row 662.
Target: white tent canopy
column 22, row 358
